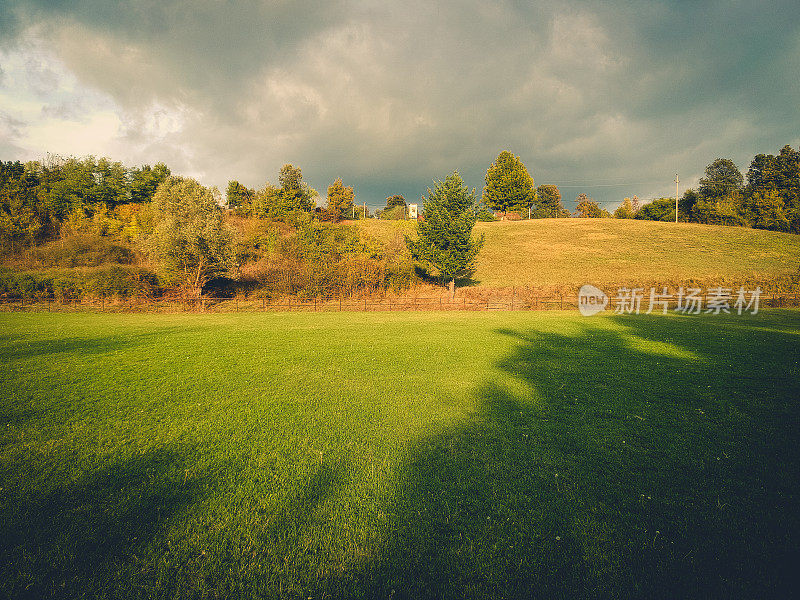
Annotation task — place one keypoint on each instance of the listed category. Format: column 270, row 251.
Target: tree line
column 284, row 242
column 768, row 197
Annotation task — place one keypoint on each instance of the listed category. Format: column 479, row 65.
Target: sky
column 607, row 98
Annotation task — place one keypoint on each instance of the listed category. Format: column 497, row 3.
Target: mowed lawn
column 399, row 455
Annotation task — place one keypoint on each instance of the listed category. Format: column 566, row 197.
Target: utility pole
column 365, row 210
column 676, row 197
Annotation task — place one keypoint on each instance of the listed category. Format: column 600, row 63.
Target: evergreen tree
column 444, row 241
column 509, row 186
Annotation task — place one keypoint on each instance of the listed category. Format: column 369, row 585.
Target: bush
column 81, row 250
column 108, row 282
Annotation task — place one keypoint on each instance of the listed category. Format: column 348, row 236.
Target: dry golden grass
column 564, row 253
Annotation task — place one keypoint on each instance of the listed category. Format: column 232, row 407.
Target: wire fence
column 209, row 304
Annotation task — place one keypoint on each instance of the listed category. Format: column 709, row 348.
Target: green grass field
column 551, row 253
column 399, row 455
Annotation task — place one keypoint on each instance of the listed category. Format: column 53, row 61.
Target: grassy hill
column 553, row 253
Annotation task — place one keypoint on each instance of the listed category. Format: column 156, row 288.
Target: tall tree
column 340, row 200
column 548, row 201
column 444, row 241
column 145, row 181
column 509, row 186
column 239, row 197
column 190, row 241
column 722, row 179
column 296, row 192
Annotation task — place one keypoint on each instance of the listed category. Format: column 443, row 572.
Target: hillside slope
column 551, row 253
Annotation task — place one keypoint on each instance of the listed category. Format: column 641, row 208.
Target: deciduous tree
column 722, row 179
column 587, row 208
column 548, row 202
column 340, row 200
column 190, row 242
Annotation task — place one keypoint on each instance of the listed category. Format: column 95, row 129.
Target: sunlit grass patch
column 398, row 454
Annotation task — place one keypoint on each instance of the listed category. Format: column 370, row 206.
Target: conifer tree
column 444, row 241
column 509, row 186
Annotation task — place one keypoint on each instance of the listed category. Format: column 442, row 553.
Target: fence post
column 562, row 303
column 365, row 305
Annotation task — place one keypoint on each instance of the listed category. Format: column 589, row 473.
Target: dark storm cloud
column 390, row 96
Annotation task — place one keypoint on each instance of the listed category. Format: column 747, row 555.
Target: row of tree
column 768, row 197
column 37, row 197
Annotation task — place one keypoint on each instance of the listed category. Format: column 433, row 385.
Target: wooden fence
column 407, row 303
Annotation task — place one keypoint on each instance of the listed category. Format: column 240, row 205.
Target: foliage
column 396, row 200
column 766, row 209
column 587, row 208
column 239, row 197
column 340, row 200
column 144, row 181
column 107, row 281
column 395, row 213
column 722, row 178
column 722, row 211
column 509, row 186
column 81, row 250
column 780, row 174
column 482, row 213
column 444, row 241
column 548, row 203
column 660, row 209
column 296, row 193
column 190, row 242
column 35, row 199
column 625, row 210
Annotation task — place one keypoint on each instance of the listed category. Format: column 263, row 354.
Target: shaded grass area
column 398, row 455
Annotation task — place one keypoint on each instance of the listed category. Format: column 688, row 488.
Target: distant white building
column 412, row 211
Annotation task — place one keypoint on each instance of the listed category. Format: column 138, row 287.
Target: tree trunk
column 452, row 286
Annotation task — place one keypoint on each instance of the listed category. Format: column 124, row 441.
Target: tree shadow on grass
column 22, row 347
column 647, row 457
column 85, row 537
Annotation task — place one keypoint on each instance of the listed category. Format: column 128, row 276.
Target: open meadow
column 566, row 253
column 399, row 455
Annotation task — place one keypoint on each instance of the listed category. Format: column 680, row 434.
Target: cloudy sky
column 608, row 98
